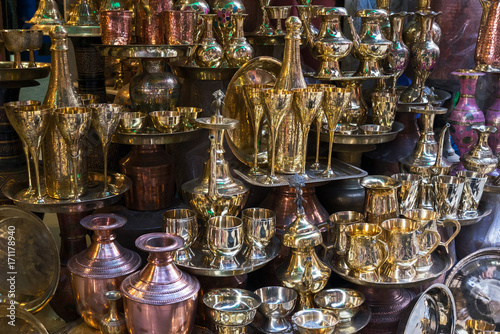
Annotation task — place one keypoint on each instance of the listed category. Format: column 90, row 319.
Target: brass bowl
column 344, row 302
column 315, row 321
column 346, row 129
column 132, row 122
column 188, row 117
column 165, row 120
column 374, row 129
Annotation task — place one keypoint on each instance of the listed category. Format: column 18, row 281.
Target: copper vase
column 160, row 298
column 487, row 54
column 100, row 268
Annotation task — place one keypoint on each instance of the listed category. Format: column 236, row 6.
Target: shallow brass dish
column 7, row 73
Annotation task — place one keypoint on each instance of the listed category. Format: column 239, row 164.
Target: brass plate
column 36, row 266
column 342, row 170
column 92, row 200
column 481, row 213
column 144, row 51
column 203, row 73
column 362, row 139
column 348, row 76
column 7, row 73
column 442, row 96
column 442, row 262
column 434, row 312
column 260, row 70
column 25, row 322
column 154, row 138
column 475, row 284
column 200, row 264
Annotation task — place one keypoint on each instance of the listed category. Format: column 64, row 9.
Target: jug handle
column 386, row 250
column 326, row 247
column 448, row 222
column 436, row 244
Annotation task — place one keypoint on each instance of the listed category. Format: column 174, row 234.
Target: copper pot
column 100, row 268
column 160, row 298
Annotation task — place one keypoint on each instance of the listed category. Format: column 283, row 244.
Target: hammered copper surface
column 116, row 27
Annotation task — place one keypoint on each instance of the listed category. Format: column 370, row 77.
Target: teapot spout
column 439, row 157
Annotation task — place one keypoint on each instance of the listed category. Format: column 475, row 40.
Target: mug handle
column 385, row 249
column 436, row 244
column 326, row 247
column 446, row 222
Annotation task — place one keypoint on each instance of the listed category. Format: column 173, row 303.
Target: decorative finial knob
column 293, row 24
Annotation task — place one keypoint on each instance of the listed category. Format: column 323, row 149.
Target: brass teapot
column 481, row 158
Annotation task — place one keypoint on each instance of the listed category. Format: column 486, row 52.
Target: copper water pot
column 100, row 268
column 160, row 298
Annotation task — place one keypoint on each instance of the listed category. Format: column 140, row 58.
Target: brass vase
column 413, row 28
column 481, row 158
column 399, row 55
column 239, row 50
column 225, row 29
column 209, row 53
column 113, row 322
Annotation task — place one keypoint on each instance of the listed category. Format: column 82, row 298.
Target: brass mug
column 365, row 251
column 179, row 26
column 259, row 227
column 225, row 240
column 447, row 194
column 183, row 223
column 408, row 192
column 340, row 220
column 381, row 201
column 116, row 26
column 472, row 193
column 402, row 237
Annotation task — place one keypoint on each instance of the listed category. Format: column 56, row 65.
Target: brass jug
column 481, row 158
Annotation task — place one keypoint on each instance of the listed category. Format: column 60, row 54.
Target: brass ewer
column 481, row 158
column 330, row 45
column 215, row 193
column 302, row 271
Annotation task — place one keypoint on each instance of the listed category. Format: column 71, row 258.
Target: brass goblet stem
column 105, row 149
column 329, row 172
column 74, row 160
column 28, row 167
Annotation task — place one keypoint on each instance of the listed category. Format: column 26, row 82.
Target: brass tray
column 434, row 312
column 92, row 200
column 145, row 51
column 442, row 96
column 203, row 73
column 362, row 139
column 154, row 138
column 342, row 170
column 36, row 258
column 481, row 213
column 260, row 70
column 25, row 322
column 475, row 284
column 7, row 73
column 348, row 76
column 200, row 264
column 442, row 262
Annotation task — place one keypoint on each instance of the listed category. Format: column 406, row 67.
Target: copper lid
column 160, row 282
column 105, row 257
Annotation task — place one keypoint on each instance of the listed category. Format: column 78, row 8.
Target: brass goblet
column 334, row 101
column 320, row 114
column 35, row 43
column 265, row 28
column 278, row 13
column 33, row 123
column 74, row 123
column 384, row 108
column 17, row 41
column 184, row 223
column 105, row 118
column 307, row 102
column 276, row 104
column 10, row 109
column 253, row 99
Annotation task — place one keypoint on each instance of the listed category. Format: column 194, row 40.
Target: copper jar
column 100, row 268
column 160, row 298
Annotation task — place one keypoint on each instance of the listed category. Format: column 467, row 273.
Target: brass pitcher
column 381, row 198
column 330, row 45
column 481, row 158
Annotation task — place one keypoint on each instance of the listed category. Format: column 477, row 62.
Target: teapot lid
column 160, row 282
column 105, row 257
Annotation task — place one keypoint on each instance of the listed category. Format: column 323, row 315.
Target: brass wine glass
column 334, row 101
column 74, row 124
column 10, row 109
column 276, row 104
column 307, row 102
column 105, row 118
column 253, row 99
column 317, row 166
column 33, row 124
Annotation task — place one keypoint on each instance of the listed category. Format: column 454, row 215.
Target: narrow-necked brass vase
column 381, row 199
column 399, row 54
column 83, row 13
column 481, row 158
column 215, row 193
column 100, row 268
column 303, row 271
column 114, row 321
column 385, row 25
column 413, row 28
column 264, row 28
column 239, row 50
column 370, row 46
column 225, row 29
column 47, row 13
column 160, row 298
column 209, row 53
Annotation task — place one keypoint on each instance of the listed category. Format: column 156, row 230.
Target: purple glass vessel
column 493, row 118
column 466, row 113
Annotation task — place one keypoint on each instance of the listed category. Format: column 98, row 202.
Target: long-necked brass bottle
column 289, row 142
column 60, row 93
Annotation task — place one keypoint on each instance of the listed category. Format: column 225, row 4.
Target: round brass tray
column 442, row 262
column 203, row 73
column 481, row 213
column 442, row 96
column 92, row 200
column 24, row 322
column 154, row 138
column 35, row 263
column 362, row 139
column 200, row 264
column 144, row 51
column 7, row 73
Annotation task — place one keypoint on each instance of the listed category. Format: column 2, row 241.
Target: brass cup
column 340, row 220
column 88, row 99
column 35, row 43
column 132, row 122
column 344, row 302
column 259, row 228
column 225, row 240
column 315, row 321
column 402, row 238
column 179, row 26
column 188, row 117
column 277, row 304
column 477, row 326
column 384, row 108
column 374, row 129
column 365, row 251
column 408, row 192
column 183, row 223
column 448, row 192
column 278, row 13
column 346, row 129
column 17, row 41
column 472, row 193
column 166, row 121
column 116, row 26
column 381, row 201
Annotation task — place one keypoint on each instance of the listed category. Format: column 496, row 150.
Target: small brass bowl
column 315, row 321
column 374, row 129
column 346, row 129
column 132, row 122
column 344, row 302
column 189, row 116
column 165, row 120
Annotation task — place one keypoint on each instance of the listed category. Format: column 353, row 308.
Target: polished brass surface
column 132, row 121
column 209, row 53
column 318, row 122
column 472, row 193
column 360, row 138
column 153, row 138
column 448, row 192
column 145, row 51
column 408, row 192
column 277, row 303
column 384, row 108
column 202, row 73
column 340, row 220
column 166, row 121
column 239, row 50
column 183, row 223
column 315, row 321
column 381, row 200
column 344, row 302
column 113, row 322
column 225, row 240
column 83, row 13
column 481, row 157
column 225, row 29
column 357, row 109
column 188, row 117
column 399, row 54
column 35, row 43
column 17, row 41
column 47, row 13
column 374, row 129
column 259, row 227
column 116, row 26
column 278, row 13
column 9, row 73
column 478, row 326
column 265, row 28
column 486, row 53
